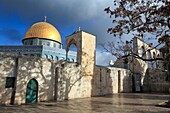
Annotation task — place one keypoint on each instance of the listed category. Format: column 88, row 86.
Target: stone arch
column 51, row 57
column 142, row 51
column 56, row 58
column 157, row 62
column 72, row 60
column 76, row 43
column 46, row 56
column 148, row 56
column 139, row 68
column 154, row 63
column 154, row 55
column 86, row 49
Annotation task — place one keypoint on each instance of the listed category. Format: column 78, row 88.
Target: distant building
column 41, row 40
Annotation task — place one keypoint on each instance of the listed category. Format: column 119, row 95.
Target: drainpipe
column 15, row 83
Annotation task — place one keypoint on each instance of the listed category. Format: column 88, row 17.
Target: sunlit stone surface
column 118, row 103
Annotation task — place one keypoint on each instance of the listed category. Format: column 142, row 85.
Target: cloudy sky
column 16, row 16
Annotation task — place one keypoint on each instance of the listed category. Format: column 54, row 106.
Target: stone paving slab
column 117, row 103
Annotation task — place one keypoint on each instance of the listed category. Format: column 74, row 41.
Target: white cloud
column 103, row 58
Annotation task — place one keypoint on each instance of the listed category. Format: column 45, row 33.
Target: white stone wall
column 40, row 69
column 106, row 80
column 72, row 83
column 86, row 49
column 62, row 80
column 7, row 69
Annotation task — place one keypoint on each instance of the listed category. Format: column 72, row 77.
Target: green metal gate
column 32, row 91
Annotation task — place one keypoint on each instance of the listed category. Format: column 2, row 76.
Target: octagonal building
column 41, row 40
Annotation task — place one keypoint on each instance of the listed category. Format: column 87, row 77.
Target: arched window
column 46, row 56
column 72, row 51
column 54, row 45
column 31, row 42
column 142, row 52
column 154, row 55
column 48, row 43
column 148, row 56
column 72, row 60
column 51, row 57
column 154, row 62
column 40, row 42
column 56, row 57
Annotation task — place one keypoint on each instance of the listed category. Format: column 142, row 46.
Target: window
column 31, row 42
column 48, row 43
column 25, row 43
column 10, row 82
column 46, row 56
column 40, row 42
column 56, row 57
column 54, row 44
column 51, row 57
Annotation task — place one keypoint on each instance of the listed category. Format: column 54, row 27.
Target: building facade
column 41, row 40
column 30, row 79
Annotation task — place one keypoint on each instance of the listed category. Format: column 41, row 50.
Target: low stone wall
column 156, row 80
column 71, row 82
column 110, row 80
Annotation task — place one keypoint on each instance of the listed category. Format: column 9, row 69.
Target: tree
column 140, row 16
column 149, row 19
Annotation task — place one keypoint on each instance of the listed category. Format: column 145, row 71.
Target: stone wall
column 110, row 80
column 39, row 69
column 71, row 82
column 156, row 80
column 57, row 80
column 7, row 67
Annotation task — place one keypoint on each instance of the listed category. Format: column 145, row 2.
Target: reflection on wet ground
column 117, row 103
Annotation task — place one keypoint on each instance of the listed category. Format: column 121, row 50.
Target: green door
column 32, row 91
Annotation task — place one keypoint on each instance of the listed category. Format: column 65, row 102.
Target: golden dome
column 43, row 30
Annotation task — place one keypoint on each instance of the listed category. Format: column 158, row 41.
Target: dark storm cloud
column 12, row 35
column 88, row 14
column 61, row 13
column 62, row 10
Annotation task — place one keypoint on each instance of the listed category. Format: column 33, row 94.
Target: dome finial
column 45, row 18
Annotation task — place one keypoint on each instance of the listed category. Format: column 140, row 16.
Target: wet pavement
column 117, row 103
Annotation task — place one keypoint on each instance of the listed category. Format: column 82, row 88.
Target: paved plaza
column 117, row 103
